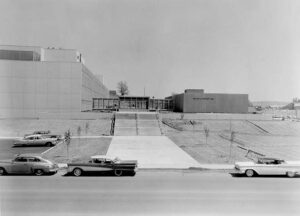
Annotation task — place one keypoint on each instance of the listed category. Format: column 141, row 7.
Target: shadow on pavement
column 102, row 174
column 236, row 175
column 25, row 146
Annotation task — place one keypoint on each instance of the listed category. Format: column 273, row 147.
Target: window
column 20, row 159
column 32, row 159
column 108, row 161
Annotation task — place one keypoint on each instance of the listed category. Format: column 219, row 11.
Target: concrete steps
column 137, row 124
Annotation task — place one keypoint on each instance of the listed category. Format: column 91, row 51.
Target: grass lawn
column 80, row 149
column 282, row 140
column 19, row 127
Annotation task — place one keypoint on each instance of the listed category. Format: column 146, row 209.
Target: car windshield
column 116, row 160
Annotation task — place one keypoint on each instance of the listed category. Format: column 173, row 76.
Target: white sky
column 240, row 46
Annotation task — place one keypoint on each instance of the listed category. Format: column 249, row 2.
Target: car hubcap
column 77, row 172
column 1, row 171
column 118, row 172
column 249, row 173
column 39, row 172
column 290, row 174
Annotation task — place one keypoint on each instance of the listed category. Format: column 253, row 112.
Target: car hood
column 5, row 161
column 246, row 163
column 127, row 162
column 293, row 162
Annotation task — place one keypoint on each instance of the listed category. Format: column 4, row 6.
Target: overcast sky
column 166, row 46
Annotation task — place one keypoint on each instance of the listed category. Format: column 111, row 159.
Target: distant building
column 35, row 80
column 297, row 106
column 196, row 101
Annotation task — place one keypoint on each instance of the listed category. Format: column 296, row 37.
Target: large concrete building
column 196, row 101
column 35, row 80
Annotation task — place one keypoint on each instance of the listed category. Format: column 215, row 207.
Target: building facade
column 35, row 80
column 196, row 101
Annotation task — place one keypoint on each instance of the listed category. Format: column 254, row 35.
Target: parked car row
column 35, row 164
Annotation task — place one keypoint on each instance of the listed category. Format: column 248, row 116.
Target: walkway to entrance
column 137, row 124
column 151, row 152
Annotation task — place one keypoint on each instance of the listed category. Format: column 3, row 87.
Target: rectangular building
column 196, row 101
column 35, row 80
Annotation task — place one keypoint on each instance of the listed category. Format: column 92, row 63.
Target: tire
column 249, row 173
column 77, row 172
column 133, row 173
column 2, row 171
column 290, row 174
column 118, row 172
column 38, row 172
column 48, row 144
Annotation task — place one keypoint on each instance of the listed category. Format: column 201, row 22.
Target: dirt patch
column 80, row 149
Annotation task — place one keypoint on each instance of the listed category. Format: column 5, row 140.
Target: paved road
column 150, row 193
column 7, row 151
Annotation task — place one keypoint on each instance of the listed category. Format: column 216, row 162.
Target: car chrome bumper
column 53, row 170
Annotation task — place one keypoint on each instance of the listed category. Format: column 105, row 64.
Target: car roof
column 101, row 156
column 33, row 135
column 266, row 158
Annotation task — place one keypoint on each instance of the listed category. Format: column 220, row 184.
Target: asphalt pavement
column 150, row 193
column 8, row 151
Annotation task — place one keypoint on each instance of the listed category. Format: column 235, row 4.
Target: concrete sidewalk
column 215, row 166
column 151, row 152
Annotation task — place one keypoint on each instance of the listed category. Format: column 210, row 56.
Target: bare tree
column 87, row 127
column 232, row 137
column 123, row 88
column 206, row 131
column 193, row 123
column 79, row 133
column 181, row 116
column 67, row 141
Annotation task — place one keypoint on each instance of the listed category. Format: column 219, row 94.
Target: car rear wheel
column 38, row 172
column 249, row 173
column 77, row 172
column 290, row 174
column 49, row 144
column 118, row 172
column 2, row 171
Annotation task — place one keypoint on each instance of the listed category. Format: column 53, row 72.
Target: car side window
column 108, row 162
column 20, row 159
column 33, row 159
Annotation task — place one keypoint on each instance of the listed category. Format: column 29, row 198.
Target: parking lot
column 7, row 151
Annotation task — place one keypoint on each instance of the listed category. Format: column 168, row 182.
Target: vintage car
column 45, row 134
column 268, row 166
column 36, row 140
column 103, row 163
column 28, row 164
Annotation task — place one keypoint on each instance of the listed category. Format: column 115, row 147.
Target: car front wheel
column 290, row 174
column 2, row 171
column 77, row 172
column 38, row 172
column 249, row 173
column 118, row 172
column 49, row 144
